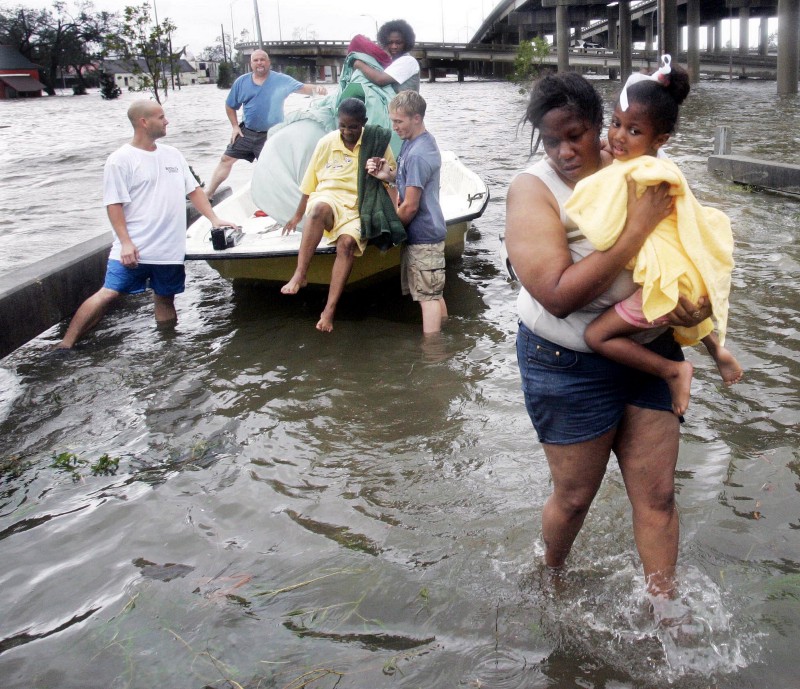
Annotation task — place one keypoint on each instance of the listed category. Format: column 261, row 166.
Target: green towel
column 379, row 222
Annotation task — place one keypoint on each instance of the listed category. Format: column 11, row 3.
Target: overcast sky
column 199, row 21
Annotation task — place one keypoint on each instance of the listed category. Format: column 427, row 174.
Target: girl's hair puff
column 662, row 101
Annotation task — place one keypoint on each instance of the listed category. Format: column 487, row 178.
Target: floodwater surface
column 246, row 502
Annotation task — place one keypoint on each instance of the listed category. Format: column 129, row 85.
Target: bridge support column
column 613, row 39
column 763, row 36
column 709, row 38
column 460, row 74
column 693, row 39
column 788, row 22
column 649, row 33
column 625, row 41
column 668, row 27
column 744, row 30
column 562, row 33
column 718, row 38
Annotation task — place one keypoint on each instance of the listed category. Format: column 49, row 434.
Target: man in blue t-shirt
column 261, row 95
column 417, row 179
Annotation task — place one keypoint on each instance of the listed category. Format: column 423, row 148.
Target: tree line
column 78, row 41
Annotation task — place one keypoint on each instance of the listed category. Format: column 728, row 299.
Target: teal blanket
column 283, row 161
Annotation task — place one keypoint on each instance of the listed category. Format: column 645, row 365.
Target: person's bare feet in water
column 325, row 322
column 680, row 387
column 729, row 368
column 294, row 285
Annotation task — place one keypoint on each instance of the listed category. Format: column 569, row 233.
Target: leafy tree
column 225, row 75
column 84, row 45
column 56, row 39
column 772, row 42
column 220, row 51
column 213, row 53
column 145, row 45
column 109, row 90
column 528, row 63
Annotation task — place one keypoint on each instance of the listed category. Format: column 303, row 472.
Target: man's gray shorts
column 248, row 146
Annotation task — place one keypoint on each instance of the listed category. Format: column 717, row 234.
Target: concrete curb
column 758, row 173
column 36, row 297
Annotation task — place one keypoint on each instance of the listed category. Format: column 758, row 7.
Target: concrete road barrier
column 36, row 297
column 758, row 173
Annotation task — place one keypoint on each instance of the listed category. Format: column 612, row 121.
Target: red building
column 19, row 77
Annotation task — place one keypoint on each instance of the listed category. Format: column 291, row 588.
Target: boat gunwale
column 221, row 254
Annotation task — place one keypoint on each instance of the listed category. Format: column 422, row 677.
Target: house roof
column 22, row 83
column 186, row 66
column 11, row 58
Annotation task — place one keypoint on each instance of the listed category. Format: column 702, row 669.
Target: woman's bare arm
column 538, row 250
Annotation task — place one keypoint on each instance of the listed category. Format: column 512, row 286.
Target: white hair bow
column 661, row 74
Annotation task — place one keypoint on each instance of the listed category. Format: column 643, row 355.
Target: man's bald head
column 260, row 63
column 142, row 109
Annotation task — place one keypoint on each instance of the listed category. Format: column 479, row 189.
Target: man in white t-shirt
column 397, row 38
column 144, row 189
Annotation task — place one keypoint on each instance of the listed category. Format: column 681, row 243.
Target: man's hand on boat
column 291, row 224
column 216, row 221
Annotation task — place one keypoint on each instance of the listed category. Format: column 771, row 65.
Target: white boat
column 263, row 253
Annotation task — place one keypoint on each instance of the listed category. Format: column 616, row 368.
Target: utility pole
column 258, row 25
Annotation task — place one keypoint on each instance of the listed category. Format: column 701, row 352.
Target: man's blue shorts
column 165, row 280
column 572, row 396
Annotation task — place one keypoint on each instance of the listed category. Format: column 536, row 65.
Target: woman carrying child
column 644, row 118
column 583, row 405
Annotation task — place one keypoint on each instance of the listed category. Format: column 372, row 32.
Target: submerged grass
column 308, row 582
column 73, row 465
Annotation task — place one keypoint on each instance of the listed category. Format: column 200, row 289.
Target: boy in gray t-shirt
column 422, row 270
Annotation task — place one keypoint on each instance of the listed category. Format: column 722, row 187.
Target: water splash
column 699, row 632
column 605, row 612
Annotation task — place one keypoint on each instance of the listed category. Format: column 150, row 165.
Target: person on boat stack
column 261, row 94
column 330, row 202
column 145, row 185
column 422, row 271
column 397, row 38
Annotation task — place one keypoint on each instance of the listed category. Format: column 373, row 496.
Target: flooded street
column 362, row 509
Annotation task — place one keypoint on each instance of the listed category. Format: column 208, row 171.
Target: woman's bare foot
column 294, row 285
column 325, row 322
column 729, row 368
column 680, row 387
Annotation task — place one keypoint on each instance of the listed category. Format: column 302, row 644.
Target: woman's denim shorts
column 573, row 396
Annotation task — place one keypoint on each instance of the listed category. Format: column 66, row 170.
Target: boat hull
column 373, row 266
column 264, row 254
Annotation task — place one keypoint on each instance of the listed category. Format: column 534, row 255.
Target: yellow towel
column 689, row 253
